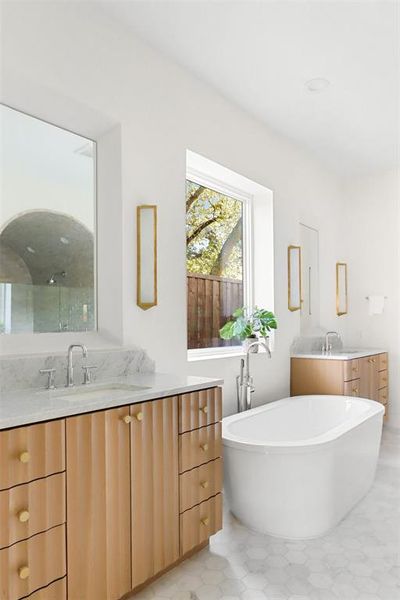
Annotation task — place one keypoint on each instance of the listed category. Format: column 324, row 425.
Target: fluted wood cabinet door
column 155, row 487
column 98, row 505
column 369, row 377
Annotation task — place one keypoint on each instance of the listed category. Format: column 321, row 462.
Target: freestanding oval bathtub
column 295, row 467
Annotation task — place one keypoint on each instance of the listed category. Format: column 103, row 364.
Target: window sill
column 215, row 353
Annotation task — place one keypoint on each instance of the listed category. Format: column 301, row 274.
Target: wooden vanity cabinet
column 97, row 505
column 365, row 377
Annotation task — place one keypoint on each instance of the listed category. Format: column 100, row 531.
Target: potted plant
column 249, row 325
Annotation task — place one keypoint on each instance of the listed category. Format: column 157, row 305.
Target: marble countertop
column 24, row 407
column 342, row 354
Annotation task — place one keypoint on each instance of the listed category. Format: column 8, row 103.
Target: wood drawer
column 383, row 395
column 32, row 564
column 351, row 388
column 199, row 446
column 201, row 521
column 54, row 591
column 382, row 379
column 200, row 484
column 31, row 508
column 383, row 361
column 200, row 409
column 351, row 369
column 31, row 452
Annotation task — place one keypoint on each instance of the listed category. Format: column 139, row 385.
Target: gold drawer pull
column 139, row 416
column 355, row 390
column 127, row 419
column 23, row 572
column 204, row 447
column 205, row 521
column 23, row 516
column 384, row 397
column 24, row 457
column 384, row 379
column 204, row 409
column 204, row 484
column 371, row 360
column 354, row 369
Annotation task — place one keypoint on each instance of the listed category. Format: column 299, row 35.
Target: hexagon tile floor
column 359, row 560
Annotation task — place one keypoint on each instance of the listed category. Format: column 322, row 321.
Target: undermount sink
column 93, row 392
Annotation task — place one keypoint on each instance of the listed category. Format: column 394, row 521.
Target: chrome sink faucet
column 244, row 381
column 327, row 347
column 70, row 368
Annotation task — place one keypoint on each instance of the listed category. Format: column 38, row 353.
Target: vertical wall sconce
column 146, row 256
column 294, row 278
column 341, row 289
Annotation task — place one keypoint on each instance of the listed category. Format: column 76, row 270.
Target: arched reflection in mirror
column 46, row 274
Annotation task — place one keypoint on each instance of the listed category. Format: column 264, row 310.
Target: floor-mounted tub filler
column 295, row 467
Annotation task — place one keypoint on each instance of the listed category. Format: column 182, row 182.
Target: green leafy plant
column 247, row 323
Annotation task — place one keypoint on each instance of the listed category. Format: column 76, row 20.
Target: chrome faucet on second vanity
column 70, row 368
column 244, row 381
column 328, row 346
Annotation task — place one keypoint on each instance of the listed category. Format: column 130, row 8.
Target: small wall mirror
column 341, row 289
column 47, row 227
column 146, row 256
column 294, row 278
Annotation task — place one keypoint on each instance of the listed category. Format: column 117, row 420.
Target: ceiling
column 259, row 54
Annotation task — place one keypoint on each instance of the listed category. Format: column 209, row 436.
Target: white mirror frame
column 294, row 278
column 341, row 289
column 146, row 256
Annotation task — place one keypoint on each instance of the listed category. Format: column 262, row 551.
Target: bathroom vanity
column 98, row 497
column 362, row 373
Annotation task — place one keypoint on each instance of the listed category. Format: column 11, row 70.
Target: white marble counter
column 341, row 354
column 23, row 407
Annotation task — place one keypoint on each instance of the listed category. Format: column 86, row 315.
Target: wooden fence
column 211, row 301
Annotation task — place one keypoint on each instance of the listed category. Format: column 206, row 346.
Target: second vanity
column 362, row 373
column 100, row 494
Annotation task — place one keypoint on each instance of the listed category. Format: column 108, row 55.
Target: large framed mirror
column 47, row 227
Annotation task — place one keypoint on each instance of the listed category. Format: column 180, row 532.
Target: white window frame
column 221, row 186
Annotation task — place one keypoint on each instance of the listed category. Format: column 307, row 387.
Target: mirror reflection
column 47, row 227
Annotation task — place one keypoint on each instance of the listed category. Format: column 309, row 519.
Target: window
column 214, row 262
column 229, row 252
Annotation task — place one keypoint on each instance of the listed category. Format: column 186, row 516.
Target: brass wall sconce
column 294, row 278
column 341, row 289
column 146, row 256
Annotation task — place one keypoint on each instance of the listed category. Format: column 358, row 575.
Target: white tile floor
column 359, row 560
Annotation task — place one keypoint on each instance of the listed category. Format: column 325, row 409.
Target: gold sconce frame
column 146, row 217
column 294, row 278
column 341, row 289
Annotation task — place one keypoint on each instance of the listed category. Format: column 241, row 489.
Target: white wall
column 373, row 244
column 65, row 51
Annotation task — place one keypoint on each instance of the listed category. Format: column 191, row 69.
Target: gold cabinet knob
column 204, row 447
column 204, row 484
column 204, row 409
column 23, row 572
column 384, row 379
column 24, row 457
column 139, row 416
column 354, row 369
column 355, row 390
column 23, row 516
column 205, row 521
column 371, row 360
column 127, row 419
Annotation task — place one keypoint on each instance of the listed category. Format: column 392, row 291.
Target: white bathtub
column 295, row 467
